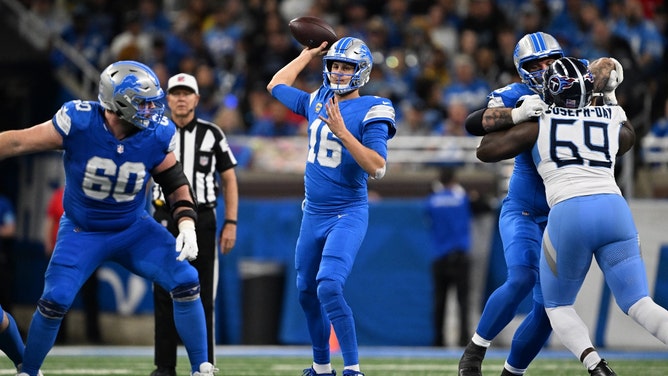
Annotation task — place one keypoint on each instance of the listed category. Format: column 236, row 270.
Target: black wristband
column 230, row 221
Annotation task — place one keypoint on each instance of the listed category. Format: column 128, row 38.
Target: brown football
column 312, row 31
column 601, row 69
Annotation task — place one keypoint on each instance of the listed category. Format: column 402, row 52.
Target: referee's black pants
column 166, row 337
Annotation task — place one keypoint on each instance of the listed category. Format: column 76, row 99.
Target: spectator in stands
column 133, row 40
column 89, row 290
column 466, row 85
column 660, row 126
column 154, row 21
column 449, row 212
column 647, row 43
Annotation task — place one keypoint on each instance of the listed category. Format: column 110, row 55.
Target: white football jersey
column 576, row 149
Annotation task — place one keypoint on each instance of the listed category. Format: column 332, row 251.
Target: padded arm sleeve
column 473, row 123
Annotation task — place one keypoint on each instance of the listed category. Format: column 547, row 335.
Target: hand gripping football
column 312, row 31
column 601, row 69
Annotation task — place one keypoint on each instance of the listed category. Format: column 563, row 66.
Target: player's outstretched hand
column 186, row 242
column 532, row 106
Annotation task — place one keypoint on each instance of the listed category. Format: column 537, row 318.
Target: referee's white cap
column 183, row 80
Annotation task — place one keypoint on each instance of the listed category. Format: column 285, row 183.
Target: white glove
column 532, row 106
column 616, row 77
column 186, row 242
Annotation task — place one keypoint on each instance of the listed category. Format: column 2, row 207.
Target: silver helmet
column 532, row 47
column 132, row 91
column 352, row 51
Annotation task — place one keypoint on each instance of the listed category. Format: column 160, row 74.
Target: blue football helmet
column 568, row 83
column 352, row 51
column 532, row 47
column 132, row 91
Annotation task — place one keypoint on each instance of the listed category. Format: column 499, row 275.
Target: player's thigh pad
column 150, row 252
column 521, row 237
column 343, row 242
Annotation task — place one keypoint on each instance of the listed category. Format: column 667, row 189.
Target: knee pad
column 185, row 293
column 522, row 279
column 328, row 289
column 51, row 310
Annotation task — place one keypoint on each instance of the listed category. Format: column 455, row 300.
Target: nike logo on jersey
column 341, row 215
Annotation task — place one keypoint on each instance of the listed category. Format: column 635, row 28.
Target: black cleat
column 470, row 364
column 602, row 369
column 164, row 371
column 505, row 372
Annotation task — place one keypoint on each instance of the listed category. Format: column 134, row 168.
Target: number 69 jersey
column 576, row 149
column 105, row 181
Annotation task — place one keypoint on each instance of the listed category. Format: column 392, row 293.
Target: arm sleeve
column 294, row 99
column 375, row 137
column 473, row 123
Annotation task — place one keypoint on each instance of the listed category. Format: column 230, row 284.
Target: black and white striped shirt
column 202, row 149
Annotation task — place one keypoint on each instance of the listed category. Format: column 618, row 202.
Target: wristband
column 230, row 221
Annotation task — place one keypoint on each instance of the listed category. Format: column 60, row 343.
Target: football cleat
column 164, row 371
column 602, row 369
column 205, row 369
column 505, row 372
column 20, row 366
column 470, row 364
column 311, row 372
column 349, row 372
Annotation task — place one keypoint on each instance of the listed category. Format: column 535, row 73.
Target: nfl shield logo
column 203, row 160
column 120, row 149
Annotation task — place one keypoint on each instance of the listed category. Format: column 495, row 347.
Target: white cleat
column 205, row 369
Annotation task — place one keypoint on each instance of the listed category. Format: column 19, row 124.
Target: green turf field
column 99, row 362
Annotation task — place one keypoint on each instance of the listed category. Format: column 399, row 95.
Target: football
column 601, row 69
column 312, row 31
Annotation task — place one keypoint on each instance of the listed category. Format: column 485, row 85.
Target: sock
column 354, row 367
column 529, row 338
column 11, row 342
column 189, row 321
column 41, row 337
column 652, row 317
column 570, row 329
column 478, row 340
column 591, row 360
column 322, row 368
column 512, row 370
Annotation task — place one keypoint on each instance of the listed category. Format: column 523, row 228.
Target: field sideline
column 289, row 361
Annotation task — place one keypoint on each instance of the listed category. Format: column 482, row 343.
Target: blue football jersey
column 525, row 189
column 105, row 178
column 333, row 179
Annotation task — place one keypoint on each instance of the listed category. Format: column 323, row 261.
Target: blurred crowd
column 435, row 59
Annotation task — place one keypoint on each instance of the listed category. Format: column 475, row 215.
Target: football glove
column 532, row 106
column 186, row 242
column 616, row 78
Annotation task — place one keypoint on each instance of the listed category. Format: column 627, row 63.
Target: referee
column 202, row 149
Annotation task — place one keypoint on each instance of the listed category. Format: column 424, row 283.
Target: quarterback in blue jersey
column 574, row 148
column 111, row 150
column 348, row 136
column 522, row 219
